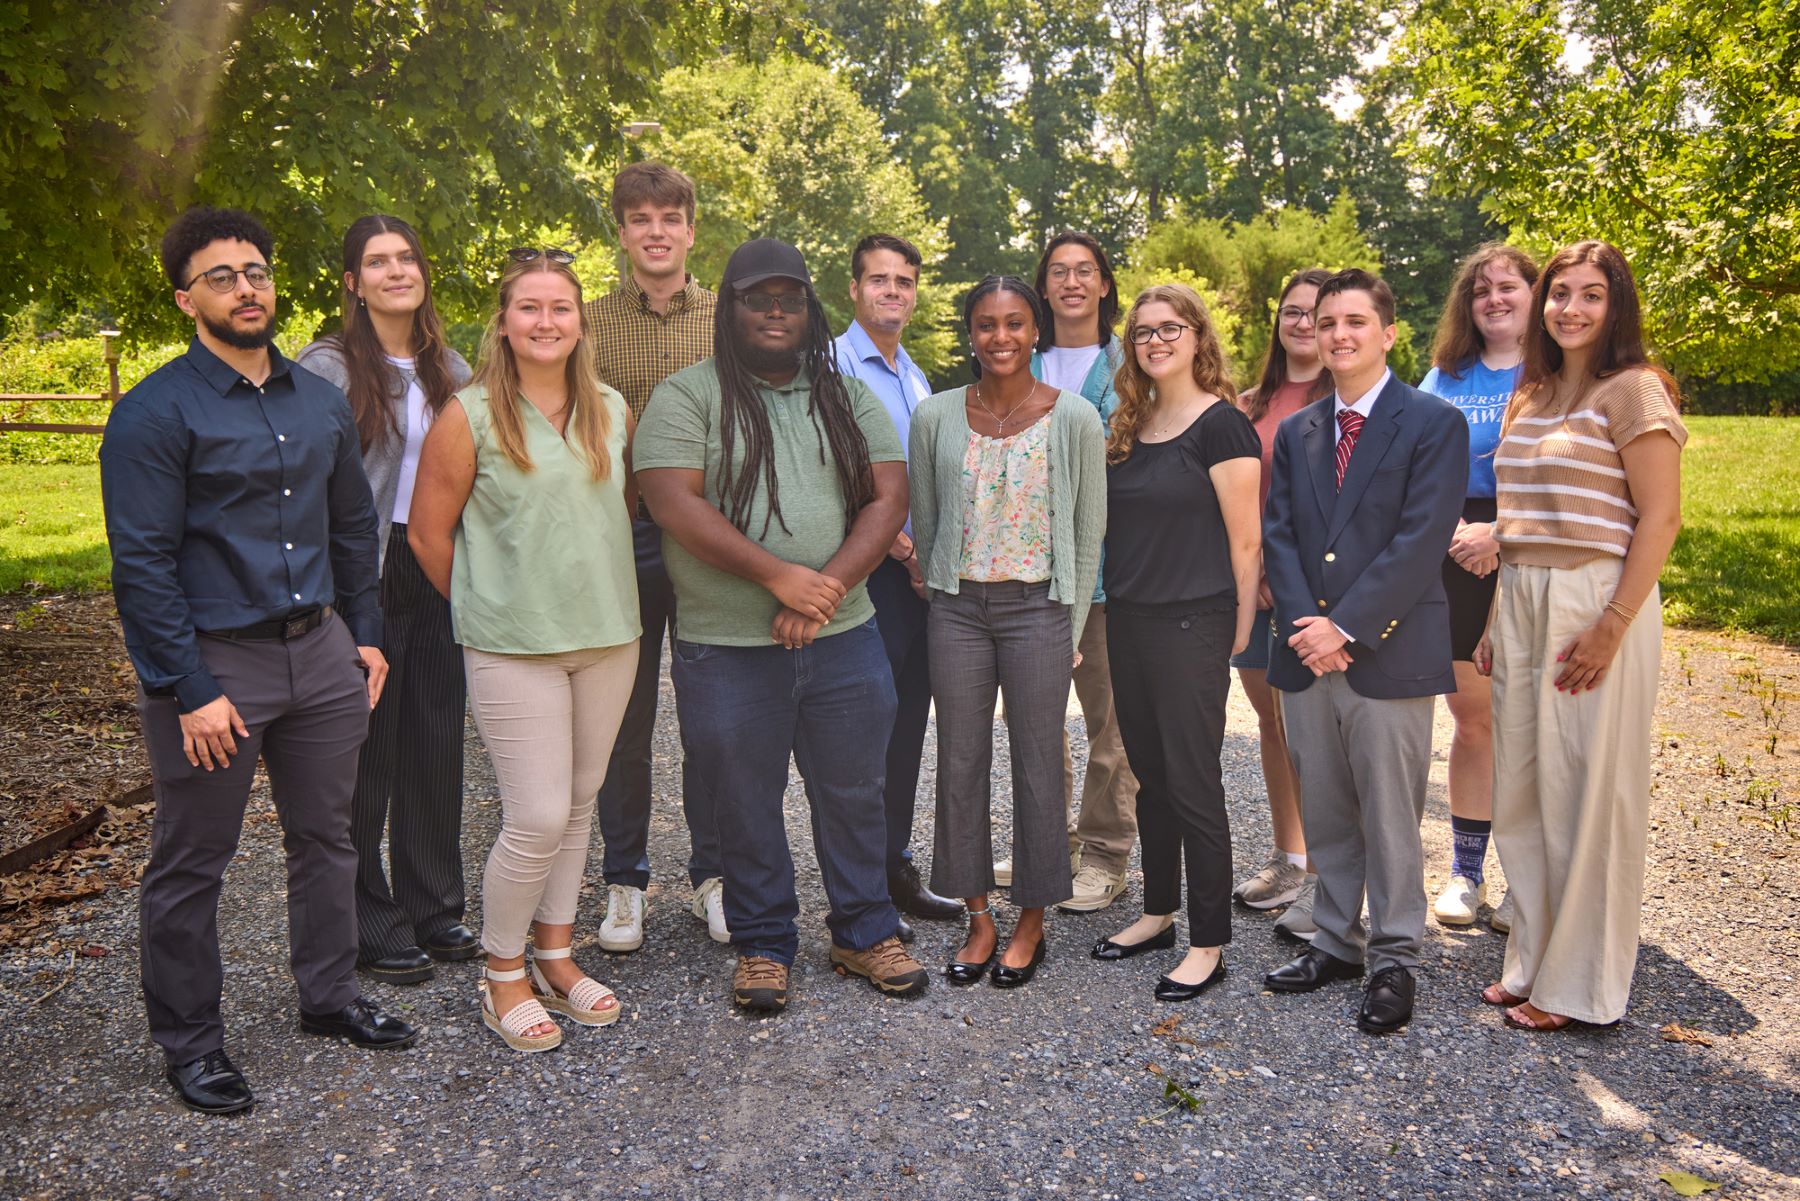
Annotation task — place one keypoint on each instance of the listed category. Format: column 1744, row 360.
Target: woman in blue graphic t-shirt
column 1475, row 365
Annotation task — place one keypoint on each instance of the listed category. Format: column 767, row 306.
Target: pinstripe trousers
column 410, row 777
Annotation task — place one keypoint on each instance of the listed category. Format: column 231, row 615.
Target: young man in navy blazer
column 1366, row 490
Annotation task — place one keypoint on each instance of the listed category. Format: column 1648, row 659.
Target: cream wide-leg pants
column 1571, row 789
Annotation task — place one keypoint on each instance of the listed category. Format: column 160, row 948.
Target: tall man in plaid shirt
column 655, row 323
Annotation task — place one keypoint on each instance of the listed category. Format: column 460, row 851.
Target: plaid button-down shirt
column 636, row 348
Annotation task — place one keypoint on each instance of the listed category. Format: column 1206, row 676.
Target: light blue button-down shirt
column 899, row 391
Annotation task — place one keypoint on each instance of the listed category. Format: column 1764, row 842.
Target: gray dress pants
column 306, row 705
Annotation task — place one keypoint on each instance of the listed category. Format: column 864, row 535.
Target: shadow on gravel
column 1698, row 1001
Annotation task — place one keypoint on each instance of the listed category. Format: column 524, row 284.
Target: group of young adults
column 321, row 562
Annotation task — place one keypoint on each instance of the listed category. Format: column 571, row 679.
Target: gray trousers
column 986, row 640
column 306, row 705
column 1363, row 766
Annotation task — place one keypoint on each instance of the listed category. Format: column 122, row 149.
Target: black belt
column 281, row 629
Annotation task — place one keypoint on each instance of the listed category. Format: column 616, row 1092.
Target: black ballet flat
column 958, row 972
column 1019, row 977
column 1109, row 950
column 1174, row 990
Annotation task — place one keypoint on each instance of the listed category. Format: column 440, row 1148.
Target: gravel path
column 1054, row 1090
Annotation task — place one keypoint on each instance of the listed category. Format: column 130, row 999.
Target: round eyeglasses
column 224, row 279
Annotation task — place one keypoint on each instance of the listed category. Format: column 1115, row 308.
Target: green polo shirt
column 680, row 428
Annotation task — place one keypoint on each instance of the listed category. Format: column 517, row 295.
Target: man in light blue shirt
column 884, row 287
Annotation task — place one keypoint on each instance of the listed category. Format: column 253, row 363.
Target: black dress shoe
column 1175, row 990
column 410, row 966
column 911, row 897
column 1019, row 977
column 1387, row 1002
column 1106, row 948
column 453, row 944
column 210, row 1084
column 904, row 932
column 1313, row 969
column 363, row 1024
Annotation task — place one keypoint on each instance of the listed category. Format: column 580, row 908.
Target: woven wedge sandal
column 518, row 1019
column 585, row 1003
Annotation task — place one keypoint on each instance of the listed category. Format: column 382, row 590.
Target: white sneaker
column 1003, row 871
column 709, row 907
column 1095, row 889
column 1502, row 918
column 1458, row 903
column 1297, row 922
column 623, row 928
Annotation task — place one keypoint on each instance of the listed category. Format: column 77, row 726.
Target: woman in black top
column 1183, row 554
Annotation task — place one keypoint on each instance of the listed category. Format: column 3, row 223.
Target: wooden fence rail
column 110, row 352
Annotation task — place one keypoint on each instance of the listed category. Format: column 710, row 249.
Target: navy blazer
column 1369, row 557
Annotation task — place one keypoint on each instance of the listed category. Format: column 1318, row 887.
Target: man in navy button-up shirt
column 244, row 569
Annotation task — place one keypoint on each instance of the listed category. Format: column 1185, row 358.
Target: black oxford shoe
column 453, row 944
column 1175, row 990
column 210, row 1084
column 411, row 966
column 1387, row 1002
column 363, row 1024
column 1313, row 969
column 1107, row 949
column 911, row 897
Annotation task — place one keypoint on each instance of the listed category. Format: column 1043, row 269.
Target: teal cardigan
column 934, row 464
column 1097, row 388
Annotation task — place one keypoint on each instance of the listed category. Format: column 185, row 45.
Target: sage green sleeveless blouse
column 544, row 558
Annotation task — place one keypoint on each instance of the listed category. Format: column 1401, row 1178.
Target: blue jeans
column 900, row 615
column 744, row 710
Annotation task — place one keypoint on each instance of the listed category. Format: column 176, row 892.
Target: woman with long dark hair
column 1293, row 376
column 391, row 360
column 1589, row 503
column 1475, row 363
column 1008, row 509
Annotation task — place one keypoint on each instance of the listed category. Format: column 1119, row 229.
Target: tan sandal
column 521, row 1017
column 1496, row 994
column 583, row 1002
column 1545, row 1023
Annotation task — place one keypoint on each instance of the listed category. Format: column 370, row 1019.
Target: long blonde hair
column 1136, row 390
column 590, row 421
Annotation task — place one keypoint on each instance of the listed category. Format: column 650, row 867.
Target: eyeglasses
column 524, row 254
column 224, row 279
column 1294, row 314
column 1168, row 331
column 1061, row 271
column 763, row 302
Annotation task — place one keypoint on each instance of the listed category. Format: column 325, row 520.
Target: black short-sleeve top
column 1165, row 535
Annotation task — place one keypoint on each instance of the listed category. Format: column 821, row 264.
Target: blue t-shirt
column 1481, row 393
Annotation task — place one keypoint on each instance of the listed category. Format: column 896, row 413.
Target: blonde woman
column 521, row 517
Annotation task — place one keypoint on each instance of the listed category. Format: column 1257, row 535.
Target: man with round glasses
column 244, row 570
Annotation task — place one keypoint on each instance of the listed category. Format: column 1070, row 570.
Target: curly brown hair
column 1135, row 390
column 1458, row 343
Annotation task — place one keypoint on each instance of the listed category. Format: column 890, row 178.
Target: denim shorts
column 1255, row 656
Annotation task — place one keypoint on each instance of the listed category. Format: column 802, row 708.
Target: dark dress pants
column 623, row 806
column 409, row 779
column 900, row 615
column 306, row 706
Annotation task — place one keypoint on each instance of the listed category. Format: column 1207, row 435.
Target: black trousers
column 306, row 704
column 1171, row 679
column 900, row 615
column 409, row 780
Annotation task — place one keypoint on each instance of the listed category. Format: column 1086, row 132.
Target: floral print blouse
column 1006, row 506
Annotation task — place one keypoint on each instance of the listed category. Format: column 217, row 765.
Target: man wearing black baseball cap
column 779, row 486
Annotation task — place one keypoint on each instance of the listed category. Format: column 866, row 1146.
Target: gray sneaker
column 1277, row 882
column 1297, row 922
column 1502, row 918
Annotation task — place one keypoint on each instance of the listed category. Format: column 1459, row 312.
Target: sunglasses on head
column 525, row 254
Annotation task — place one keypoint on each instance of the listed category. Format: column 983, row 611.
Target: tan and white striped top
column 1563, row 498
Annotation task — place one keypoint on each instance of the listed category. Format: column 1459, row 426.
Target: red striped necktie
column 1351, row 423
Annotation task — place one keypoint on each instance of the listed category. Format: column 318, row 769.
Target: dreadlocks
column 741, row 411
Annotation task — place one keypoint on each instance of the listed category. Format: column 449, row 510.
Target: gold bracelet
column 1628, row 615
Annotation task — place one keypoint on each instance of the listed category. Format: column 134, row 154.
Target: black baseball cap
column 764, row 258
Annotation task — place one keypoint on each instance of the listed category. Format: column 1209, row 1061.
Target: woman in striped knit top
column 1589, row 502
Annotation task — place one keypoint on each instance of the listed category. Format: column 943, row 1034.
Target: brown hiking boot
column 886, row 965
column 760, row 984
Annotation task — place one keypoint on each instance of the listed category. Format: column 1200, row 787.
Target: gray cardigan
column 381, row 463
column 939, row 442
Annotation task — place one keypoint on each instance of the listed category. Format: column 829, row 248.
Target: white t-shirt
column 416, row 421
column 1067, row 367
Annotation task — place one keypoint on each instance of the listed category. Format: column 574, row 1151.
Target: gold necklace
column 1000, row 422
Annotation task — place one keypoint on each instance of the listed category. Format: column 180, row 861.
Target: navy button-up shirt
column 230, row 504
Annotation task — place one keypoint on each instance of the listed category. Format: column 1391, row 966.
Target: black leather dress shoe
column 1387, row 1002
column 1313, row 969
column 958, row 972
column 453, row 944
column 1019, row 977
column 904, row 932
column 210, row 1084
column 411, row 966
column 363, row 1024
column 1175, row 990
column 911, row 897
column 1106, row 948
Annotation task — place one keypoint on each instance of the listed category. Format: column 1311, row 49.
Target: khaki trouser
column 1571, row 790
column 1108, row 823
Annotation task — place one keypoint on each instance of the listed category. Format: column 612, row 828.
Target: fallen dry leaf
column 1687, row 1184
column 1675, row 1032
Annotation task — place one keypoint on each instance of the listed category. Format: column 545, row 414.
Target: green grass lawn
column 1736, row 566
